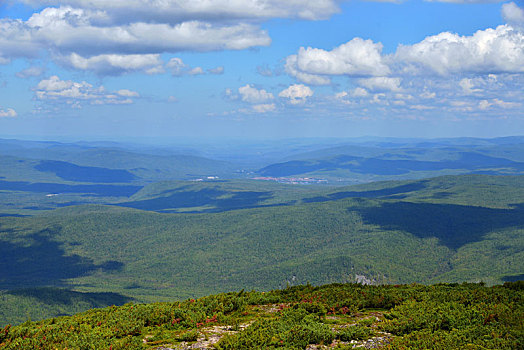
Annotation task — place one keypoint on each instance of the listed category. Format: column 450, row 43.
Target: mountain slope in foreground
column 442, row 316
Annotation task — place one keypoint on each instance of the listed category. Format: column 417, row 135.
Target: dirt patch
column 207, row 338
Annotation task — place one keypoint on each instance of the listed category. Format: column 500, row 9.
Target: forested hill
column 447, row 229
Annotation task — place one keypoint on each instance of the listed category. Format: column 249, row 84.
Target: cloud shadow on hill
column 397, row 191
column 43, row 262
column 454, row 225
column 216, row 200
column 53, row 296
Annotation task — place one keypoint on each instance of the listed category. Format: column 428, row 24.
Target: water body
column 96, row 190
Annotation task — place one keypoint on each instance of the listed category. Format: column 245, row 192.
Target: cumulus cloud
column 30, row 72
column 292, row 69
column 251, row 94
column 422, row 107
column 264, row 108
column 196, row 71
column 8, row 113
column 115, row 64
column 428, row 95
column 513, row 14
column 357, row 57
column 174, row 11
column 486, row 51
column 218, row 70
column 343, row 97
column 296, row 94
column 78, row 30
column 178, row 68
column 486, row 104
column 128, row 93
column 490, row 51
column 89, row 40
column 468, row 86
column 76, row 93
column 93, row 34
column 381, row 84
column 16, row 41
column 465, row 1
column 359, row 92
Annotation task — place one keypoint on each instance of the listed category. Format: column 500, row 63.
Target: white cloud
column 486, row 104
column 251, row 94
column 196, row 71
column 486, row 51
column 93, row 34
column 513, row 14
column 218, row 70
column 292, row 69
column 341, row 95
column 468, row 86
column 87, row 39
column 379, row 98
column 16, row 41
column 359, row 92
column 462, row 106
column 30, row 72
column 178, row 68
column 489, row 51
column 75, row 93
column 296, row 94
column 465, row 1
column 265, row 71
column 404, row 96
column 115, row 64
column 55, row 84
column 66, row 33
column 422, row 107
column 264, row 108
column 357, row 57
column 381, row 84
column 428, row 95
column 174, row 11
column 112, row 101
column 8, row 113
column 128, row 93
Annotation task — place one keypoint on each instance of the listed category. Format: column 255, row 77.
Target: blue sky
column 164, row 70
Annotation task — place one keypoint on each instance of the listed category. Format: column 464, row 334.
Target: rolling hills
column 446, row 229
column 150, row 223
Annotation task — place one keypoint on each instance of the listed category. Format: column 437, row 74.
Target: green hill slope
column 17, row 306
column 340, row 315
column 444, row 229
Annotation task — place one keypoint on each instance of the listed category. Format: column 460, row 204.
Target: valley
column 146, row 240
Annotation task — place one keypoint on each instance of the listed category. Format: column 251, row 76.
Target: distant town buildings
column 293, row 180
